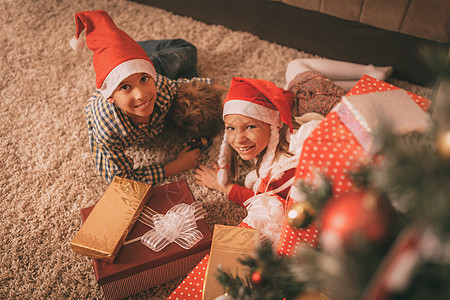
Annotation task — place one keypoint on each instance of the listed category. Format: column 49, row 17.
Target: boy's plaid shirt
column 111, row 132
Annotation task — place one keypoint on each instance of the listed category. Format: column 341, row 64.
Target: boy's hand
column 186, row 159
column 206, row 176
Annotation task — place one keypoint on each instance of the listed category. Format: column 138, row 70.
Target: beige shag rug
column 47, row 174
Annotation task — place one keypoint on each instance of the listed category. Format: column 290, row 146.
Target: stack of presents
column 140, row 236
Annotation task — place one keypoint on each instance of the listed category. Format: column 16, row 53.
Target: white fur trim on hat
column 77, row 43
column 252, row 110
column 124, row 70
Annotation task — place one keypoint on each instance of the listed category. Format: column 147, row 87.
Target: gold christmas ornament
column 300, row 215
column 443, row 144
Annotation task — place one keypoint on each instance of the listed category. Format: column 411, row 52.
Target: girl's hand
column 206, row 176
column 186, row 159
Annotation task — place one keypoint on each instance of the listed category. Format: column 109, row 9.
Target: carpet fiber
column 47, row 174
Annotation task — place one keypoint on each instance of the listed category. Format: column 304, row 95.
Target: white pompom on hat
column 116, row 54
column 262, row 100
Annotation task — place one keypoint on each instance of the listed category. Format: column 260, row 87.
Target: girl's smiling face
column 136, row 96
column 248, row 136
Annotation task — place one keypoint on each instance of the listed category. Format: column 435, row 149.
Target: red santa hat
column 262, row 100
column 116, row 54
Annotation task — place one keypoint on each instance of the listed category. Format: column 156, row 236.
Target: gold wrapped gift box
column 229, row 244
column 102, row 234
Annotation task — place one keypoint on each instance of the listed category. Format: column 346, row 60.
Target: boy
column 129, row 104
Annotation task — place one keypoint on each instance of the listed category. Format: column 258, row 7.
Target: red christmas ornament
column 256, row 278
column 357, row 215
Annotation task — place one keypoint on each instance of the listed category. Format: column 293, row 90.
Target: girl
column 258, row 126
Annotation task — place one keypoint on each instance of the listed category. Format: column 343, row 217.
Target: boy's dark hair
column 197, row 109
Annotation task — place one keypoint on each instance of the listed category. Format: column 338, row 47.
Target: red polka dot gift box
column 343, row 142
column 192, row 285
column 138, row 267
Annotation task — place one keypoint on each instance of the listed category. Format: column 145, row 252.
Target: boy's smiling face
column 136, row 96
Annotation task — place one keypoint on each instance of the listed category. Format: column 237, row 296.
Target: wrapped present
column 192, row 285
column 137, row 267
column 101, row 236
column 343, row 142
column 229, row 244
column 363, row 115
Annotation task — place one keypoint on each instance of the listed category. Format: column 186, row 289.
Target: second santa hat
column 259, row 99
column 116, row 54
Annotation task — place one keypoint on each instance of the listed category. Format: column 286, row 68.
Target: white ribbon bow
column 266, row 213
column 177, row 225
